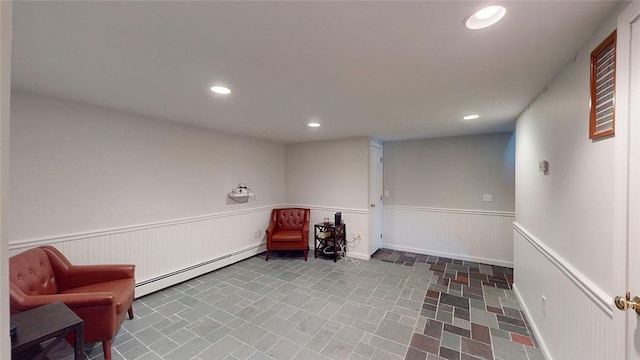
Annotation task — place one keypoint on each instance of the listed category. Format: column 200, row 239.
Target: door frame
column 626, row 200
column 372, row 218
column 5, row 114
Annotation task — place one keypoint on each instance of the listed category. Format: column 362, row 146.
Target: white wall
column 108, row 186
column 435, row 204
column 331, row 176
column 572, row 206
column 81, row 168
column 329, row 173
column 452, row 172
column 564, row 220
column 5, row 94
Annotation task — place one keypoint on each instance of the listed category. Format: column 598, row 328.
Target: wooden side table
column 51, row 321
column 329, row 236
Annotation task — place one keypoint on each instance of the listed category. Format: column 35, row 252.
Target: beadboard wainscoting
column 356, row 220
column 474, row 235
column 576, row 321
column 169, row 252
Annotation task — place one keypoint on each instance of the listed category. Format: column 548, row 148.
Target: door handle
column 373, row 205
column 625, row 303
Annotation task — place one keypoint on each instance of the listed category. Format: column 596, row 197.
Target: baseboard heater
column 193, row 267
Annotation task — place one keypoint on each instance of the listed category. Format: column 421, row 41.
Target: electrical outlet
column 544, row 305
column 356, row 235
column 487, row 197
column 257, row 234
column 543, row 166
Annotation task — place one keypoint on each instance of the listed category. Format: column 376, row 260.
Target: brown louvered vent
column 603, row 86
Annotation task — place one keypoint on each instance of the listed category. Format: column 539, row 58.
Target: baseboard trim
column 594, row 292
column 176, row 277
column 448, row 210
column 358, row 256
column 532, row 325
column 450, row 255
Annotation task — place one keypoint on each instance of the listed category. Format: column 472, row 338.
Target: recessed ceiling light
column 485, row 17
column 314, row 124
column 221, row 90
column 470, row 117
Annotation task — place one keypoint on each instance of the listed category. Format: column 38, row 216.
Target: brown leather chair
column 99, row 294
column 288, row 230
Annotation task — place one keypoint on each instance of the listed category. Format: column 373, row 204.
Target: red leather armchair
column 99, row 294
column 288, row 230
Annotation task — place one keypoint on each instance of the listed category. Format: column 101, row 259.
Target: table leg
column 49, row 346
column 78, row 335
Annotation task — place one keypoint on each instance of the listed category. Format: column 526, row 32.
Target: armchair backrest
column 291, row 218
column 31, row 272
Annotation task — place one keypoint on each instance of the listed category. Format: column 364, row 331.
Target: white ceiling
column 388, row 69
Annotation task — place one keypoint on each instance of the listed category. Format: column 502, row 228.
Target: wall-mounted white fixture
column 241, row 194
column 487, row 197
column 485, row 17
column 313, row 124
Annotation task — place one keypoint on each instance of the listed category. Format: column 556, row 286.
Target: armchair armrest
column 271, row 228
column 305, row 232
column 272, row 225
column 82, row 275
column 105, row 300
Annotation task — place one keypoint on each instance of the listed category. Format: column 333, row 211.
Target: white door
column 375, row 197
column 633, row 256
column 628, row 194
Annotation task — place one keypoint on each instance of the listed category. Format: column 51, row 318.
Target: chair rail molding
column 452, row 211
column 330, row 208
column 29, row 243
column 600, row 297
